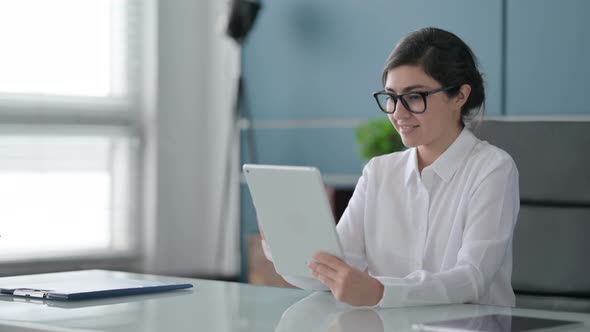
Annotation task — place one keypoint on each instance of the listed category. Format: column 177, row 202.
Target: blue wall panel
column 548, row 47
column 247, row 210
column 332, row 150
column 308, row 59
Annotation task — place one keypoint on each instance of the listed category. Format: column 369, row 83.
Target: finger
column 324, row 269
column 326, row 280
column 330, row 260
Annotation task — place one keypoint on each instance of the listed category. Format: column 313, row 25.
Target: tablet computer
column 292, row 206
column 498, row 323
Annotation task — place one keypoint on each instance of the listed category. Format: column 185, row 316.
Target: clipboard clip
column 30, row 292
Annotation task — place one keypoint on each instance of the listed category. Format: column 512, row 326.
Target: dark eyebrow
column 408, row 88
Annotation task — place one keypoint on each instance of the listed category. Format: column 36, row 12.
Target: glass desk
column 225, row 306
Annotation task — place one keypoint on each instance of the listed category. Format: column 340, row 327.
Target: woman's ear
column 462, row 95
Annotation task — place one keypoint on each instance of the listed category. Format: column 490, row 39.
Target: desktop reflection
column 357, row 320
column 322, row 312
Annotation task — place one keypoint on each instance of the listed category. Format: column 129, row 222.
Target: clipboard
column 83, row 285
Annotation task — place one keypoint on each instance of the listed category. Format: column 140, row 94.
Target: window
column 69, row 100
column 62, row 47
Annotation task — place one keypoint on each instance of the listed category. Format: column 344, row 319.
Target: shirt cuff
column 266, row 250
column 394, row 295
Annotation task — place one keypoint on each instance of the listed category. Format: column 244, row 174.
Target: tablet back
column 295, row 214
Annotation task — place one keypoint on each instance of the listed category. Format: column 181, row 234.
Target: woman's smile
column 406, row 129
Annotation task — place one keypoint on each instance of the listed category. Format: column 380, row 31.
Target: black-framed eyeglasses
column 414, row 102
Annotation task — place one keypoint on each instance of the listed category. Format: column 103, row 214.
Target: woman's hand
column 348, row 284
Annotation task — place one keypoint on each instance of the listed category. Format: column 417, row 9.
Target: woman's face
column 438, row 124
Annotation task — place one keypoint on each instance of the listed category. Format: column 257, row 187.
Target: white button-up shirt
column 443, row 236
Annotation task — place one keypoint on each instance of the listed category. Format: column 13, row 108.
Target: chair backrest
column 551, row 245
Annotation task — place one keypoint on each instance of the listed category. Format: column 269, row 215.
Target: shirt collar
column 447, row 163
column 412, row 165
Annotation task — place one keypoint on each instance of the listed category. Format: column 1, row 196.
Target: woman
column 432, row 224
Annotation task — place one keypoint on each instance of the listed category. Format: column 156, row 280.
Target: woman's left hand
column 349, row 285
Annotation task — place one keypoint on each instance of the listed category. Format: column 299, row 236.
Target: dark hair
column 446, row 58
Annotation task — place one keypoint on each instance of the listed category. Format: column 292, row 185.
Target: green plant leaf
column 377, row 137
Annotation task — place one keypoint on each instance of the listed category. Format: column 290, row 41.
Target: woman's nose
column 401, row 112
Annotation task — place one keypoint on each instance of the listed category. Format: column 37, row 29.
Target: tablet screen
column 498, row 323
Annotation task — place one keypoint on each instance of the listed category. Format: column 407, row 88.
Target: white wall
column 186, row 138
